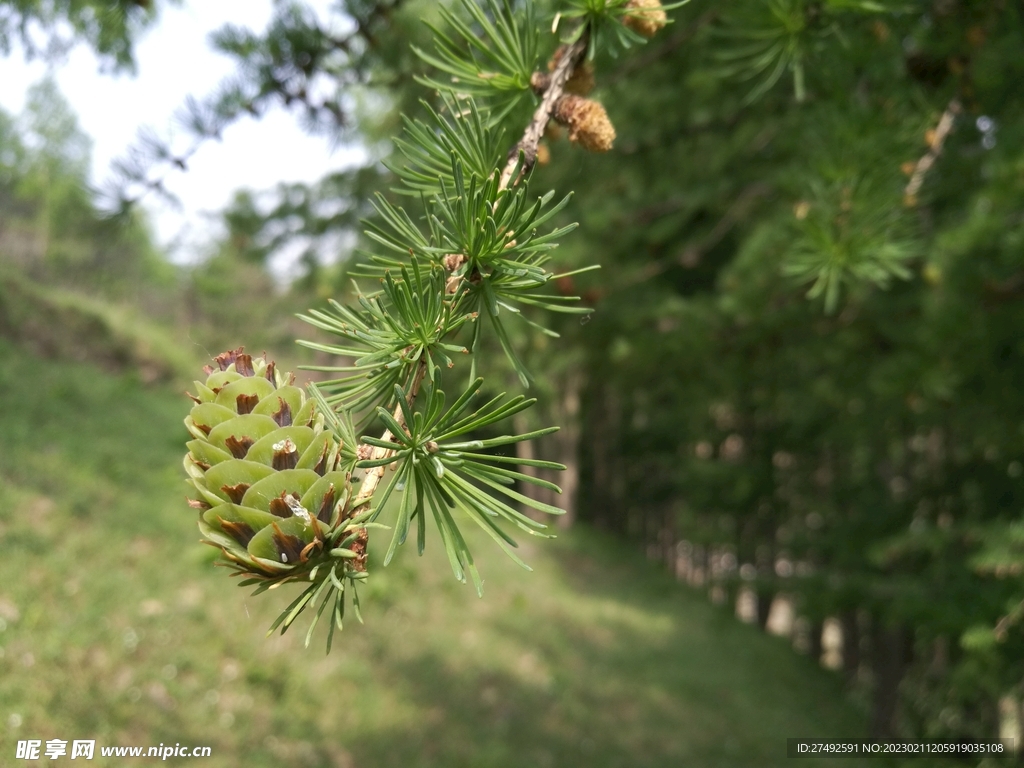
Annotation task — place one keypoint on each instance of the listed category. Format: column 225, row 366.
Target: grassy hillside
column 60, row 323
column 115, row 626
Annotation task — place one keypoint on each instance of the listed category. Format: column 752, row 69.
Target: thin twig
column 567, row 63
column 936, row 140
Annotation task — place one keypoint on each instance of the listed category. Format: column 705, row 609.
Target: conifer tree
column 860, row 452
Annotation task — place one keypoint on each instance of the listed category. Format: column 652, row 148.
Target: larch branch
column 570, row 58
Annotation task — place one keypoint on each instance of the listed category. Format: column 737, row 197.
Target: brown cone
column 588, row 123
column 647, row 18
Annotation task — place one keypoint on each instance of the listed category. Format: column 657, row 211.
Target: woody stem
column 567, row 63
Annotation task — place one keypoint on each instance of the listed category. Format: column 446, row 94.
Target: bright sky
column 174, row 61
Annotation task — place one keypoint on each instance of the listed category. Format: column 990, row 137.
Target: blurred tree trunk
column 765, row 573
column 890, row 652
column 606, row 466
column 764, row 607
column 562, row 447
column 851, row 644
column 815, row 645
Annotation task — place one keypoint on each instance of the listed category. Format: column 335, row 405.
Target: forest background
column 854, row 453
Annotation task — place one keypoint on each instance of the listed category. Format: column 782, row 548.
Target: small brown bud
column 581, row 82
column 556, row 57
column 588, row 122
column 543, row 154
column 453, row 261
column 451, row 285
column 647, row 17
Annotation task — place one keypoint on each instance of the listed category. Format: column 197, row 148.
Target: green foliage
column 765, row 39
column 850, row 235
column 64, row 151
column 399, row 334
column 110, row 27
column 496, row 64
column 492, row 234
column 428, row 148
column 53, row 230
column 769, row 47
column 437, row 473
column 866, row 461
column 404, row 324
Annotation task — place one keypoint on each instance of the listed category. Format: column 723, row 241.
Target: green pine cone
column 273, row 494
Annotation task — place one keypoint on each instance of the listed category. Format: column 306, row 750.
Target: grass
column 70, row 324
column 116, row 627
